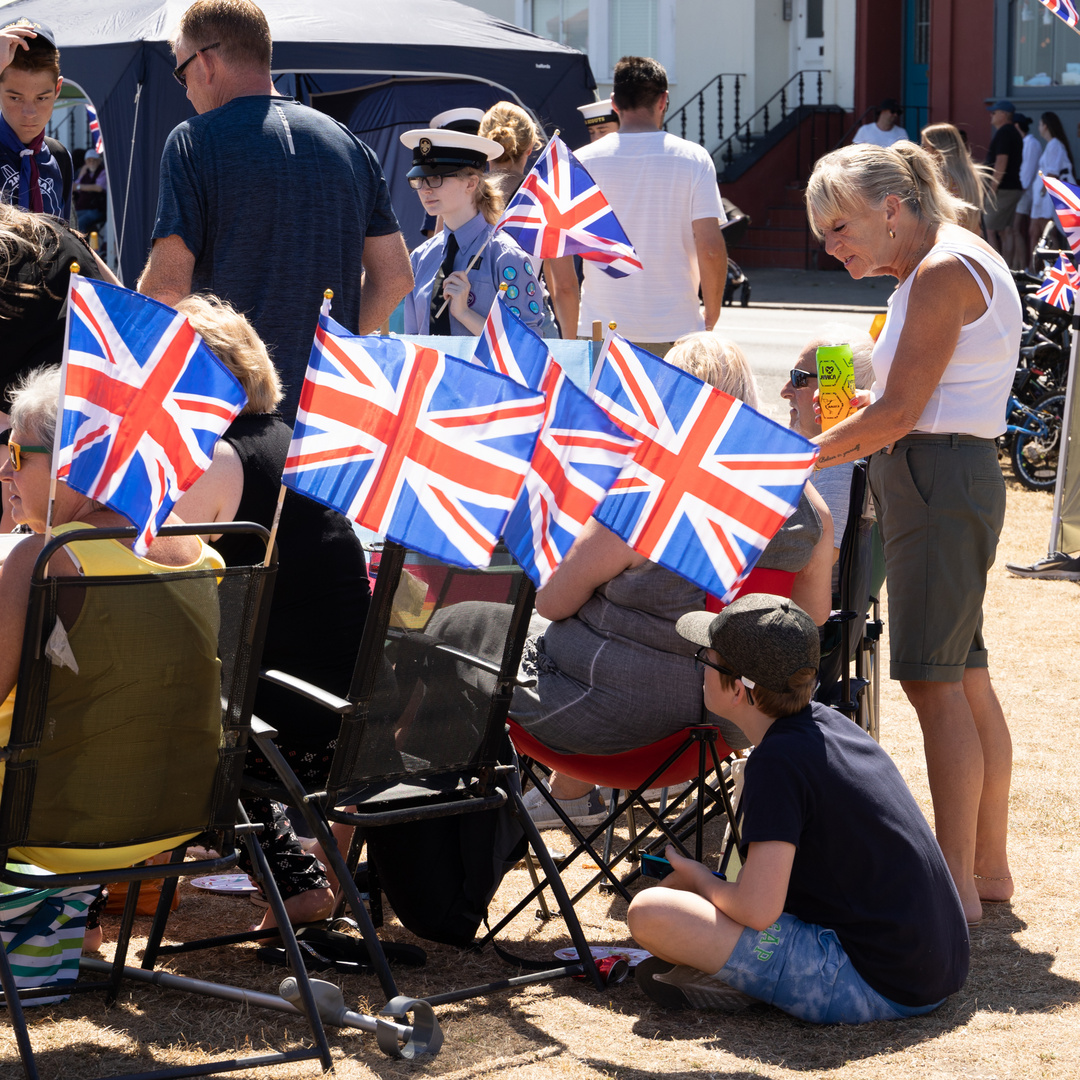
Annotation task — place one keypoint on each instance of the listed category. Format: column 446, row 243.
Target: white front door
column 810, row 35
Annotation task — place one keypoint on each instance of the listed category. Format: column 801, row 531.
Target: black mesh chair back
column 130, row 726
column 435, row 673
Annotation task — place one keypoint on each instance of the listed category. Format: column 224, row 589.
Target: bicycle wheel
column 1035, row 456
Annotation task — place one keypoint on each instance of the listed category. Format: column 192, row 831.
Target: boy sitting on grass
column 844, row 910
column 35, row 171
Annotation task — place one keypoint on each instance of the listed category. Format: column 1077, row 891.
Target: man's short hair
column 40, row 55
column 639, row 83
column 239, row 25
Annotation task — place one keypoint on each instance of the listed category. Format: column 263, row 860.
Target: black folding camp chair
column 423, row 729
column 130, row 727
column 849, row 674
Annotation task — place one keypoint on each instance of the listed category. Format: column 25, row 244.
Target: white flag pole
column 1066, row 423
column 609, row 333
column 58, row 432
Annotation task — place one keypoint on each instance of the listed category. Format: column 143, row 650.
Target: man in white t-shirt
column 664, row 193
column 886, row 129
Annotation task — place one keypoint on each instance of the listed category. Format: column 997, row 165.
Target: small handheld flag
column 424, row 448
column 144, row 402
column 1066, row 200
column 578, row 456
column 559, row 210
column 1060, row 284
column 95, row 129
column 1066, row 10
column 711, row 482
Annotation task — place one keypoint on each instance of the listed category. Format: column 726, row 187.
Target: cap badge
column 425, row 147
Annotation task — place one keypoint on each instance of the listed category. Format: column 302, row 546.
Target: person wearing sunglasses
column 611, row 673
column 182, row 645
column 844, row 911
column 268, row 202
column 459, row 270
column 832, row 484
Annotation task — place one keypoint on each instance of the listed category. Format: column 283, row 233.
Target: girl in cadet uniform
column 448, row 174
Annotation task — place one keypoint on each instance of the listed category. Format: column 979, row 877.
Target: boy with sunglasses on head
column 30, row 82
column 844, row 910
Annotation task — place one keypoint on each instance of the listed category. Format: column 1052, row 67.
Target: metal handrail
column 726, row 150
column 699, row 100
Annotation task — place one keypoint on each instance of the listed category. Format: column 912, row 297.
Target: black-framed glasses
column 178, row 72
column 703, row 662
column 799, row 378
column 16, row 451
column 433, row 182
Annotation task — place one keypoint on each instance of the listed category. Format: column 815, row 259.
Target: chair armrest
column 261, row 727
column 309, row 690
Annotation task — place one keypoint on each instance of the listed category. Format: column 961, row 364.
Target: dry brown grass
column 1016, row 1017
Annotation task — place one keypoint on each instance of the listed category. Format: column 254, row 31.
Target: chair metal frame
column 856, row 660
column 489, row 784
column 15, row 812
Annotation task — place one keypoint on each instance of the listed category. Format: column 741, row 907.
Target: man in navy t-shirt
column 266, row 202
column 844, row 910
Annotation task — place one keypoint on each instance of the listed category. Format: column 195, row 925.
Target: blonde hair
column 232, row 339
column 512, row 128
column 856, row 178
column 487, row 198
column 959, row 173
column 718, row 361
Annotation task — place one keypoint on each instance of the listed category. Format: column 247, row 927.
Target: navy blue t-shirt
column 274, row 200
column 866, row 863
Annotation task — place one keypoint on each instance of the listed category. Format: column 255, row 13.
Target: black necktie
column 440, row 324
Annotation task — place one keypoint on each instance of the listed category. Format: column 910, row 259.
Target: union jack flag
column 95, row 130
column 1065, row 10
column 559, row 210
column 421, row 447
column 578, row 456
column 1066, row 200
column 711, row 482
column 1060, row 284
column 144, row 403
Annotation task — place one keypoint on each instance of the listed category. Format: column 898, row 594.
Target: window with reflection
column 1045, row 52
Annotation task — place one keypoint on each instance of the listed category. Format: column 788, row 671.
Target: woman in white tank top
column 943, row 367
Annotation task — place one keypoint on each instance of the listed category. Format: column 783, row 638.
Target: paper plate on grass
column 230, row 884
column 633, row 957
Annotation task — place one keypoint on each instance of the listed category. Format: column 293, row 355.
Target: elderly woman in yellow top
column 187, row 674
column 943, row 368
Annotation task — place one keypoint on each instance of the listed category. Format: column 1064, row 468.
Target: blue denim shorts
column 802, row 968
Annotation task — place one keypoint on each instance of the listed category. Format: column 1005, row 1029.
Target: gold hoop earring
column 892, row 235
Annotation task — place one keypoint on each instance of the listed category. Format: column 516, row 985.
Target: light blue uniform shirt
column 501, row 261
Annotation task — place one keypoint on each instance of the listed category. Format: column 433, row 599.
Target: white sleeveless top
column 971, row 397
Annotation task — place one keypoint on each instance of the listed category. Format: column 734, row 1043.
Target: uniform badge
column 425, row 147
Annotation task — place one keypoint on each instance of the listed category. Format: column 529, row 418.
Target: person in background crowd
column 943, row 366
column 600, row 118
column 962, row 177
column 513, row 129
column 663, row 191
column 885, row 129
column 832, row 484
column 1029, row 173
column 1056, row 160
column 448, row 175
column 265, row 202
column 1004, row 158
column 35, row 170
column 91, row 200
